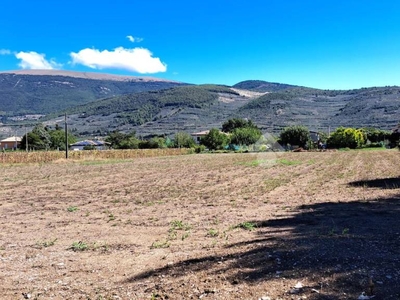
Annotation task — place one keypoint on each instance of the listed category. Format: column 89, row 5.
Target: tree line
column 235, row 134
column 342, row 137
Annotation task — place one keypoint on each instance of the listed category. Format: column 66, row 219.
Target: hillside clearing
column 223, row 226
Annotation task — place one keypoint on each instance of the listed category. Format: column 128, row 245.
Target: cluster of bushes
column 119, row 140
column 235, row 133
column 341, row 138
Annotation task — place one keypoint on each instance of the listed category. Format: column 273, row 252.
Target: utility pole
column 66, row 137
column 15, row 144
column 26, row 139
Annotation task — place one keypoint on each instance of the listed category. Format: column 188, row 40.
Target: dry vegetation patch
column 223, row 226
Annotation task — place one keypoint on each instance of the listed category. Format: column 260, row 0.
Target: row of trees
column 44, row 138
column 119, row 140
column 341, row 138
column 235, row 132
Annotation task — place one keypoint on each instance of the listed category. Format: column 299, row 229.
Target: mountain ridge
column 85, row 75
column 157, row 107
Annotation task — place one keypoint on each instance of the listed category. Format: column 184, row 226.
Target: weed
column 79, row 246
column 179, row 225
column 345, row 231
column 72, row 208
column 212, row 232
column 160, row 244
column 111, row 217
column 185, row 236
column 172, row 235
column 45, row 244
column 246, row 225
column 103, row 247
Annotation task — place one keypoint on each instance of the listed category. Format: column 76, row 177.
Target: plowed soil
column 208, row 226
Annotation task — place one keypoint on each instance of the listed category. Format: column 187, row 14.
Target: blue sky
column 323, row 44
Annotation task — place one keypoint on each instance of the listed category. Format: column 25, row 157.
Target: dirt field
column 223, row 226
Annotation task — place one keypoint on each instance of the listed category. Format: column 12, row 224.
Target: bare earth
column 223, row 226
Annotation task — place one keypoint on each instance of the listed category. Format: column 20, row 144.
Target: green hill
column 262, row 86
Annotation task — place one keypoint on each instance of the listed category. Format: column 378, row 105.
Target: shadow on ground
column 335, row 247
column 384, row 183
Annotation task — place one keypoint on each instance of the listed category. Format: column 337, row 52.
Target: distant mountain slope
column 84, row 75
column 159, row 112
column 99, row 103
column 262, row 86
column 324, row 109
column 43, row 92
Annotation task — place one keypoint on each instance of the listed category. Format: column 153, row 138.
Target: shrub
column 183, row 140
column 346, row 138
column 295, row 135
column 215, row 140
column 200, row 148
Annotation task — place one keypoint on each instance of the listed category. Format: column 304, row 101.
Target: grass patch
column 45, row 244
column 160, row 244
column 373, row 149
column 179, row 225
column 273, row 183
column 79, row 246
column 104, row 162
column 286, row 162
column 246, row 226
column 72, row 208
column 258, row 162
column 212, row 232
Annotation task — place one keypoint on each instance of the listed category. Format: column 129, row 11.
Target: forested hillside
column 42, row 94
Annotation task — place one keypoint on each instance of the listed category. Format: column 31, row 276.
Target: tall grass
column 48, row 156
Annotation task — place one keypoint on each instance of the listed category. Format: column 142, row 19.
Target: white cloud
column 5, row 52
column 138, row 60
column 34, row 60
column 134, row 39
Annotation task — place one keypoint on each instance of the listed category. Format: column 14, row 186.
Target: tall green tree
column 38, row 139
column 215, row 140
column 232, row 124
column 57, row 139
column 243, row 131
column 245, row 136
column 376, row 135
column 295, row 135
column 120, row 140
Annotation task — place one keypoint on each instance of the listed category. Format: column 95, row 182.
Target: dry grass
column 173, row 226
column 49, row 156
